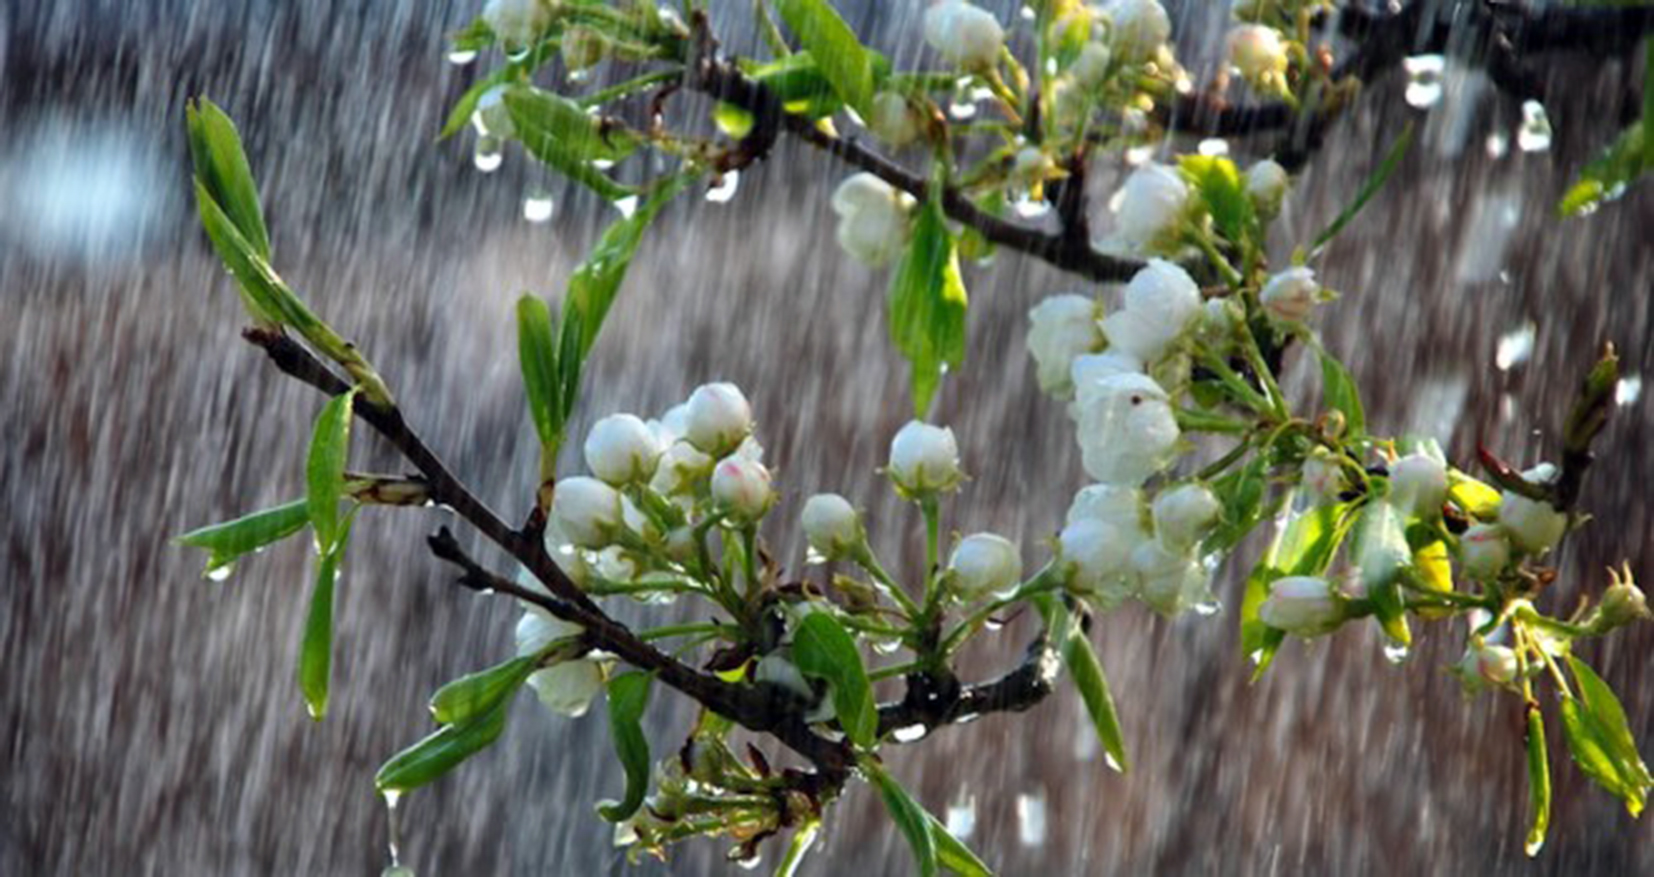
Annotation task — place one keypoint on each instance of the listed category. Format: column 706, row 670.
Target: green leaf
column 1305, row 547
column 316, row 648
column 803, row 838
column 441, row 751
column 927, row 305
column 835, row 48
column 1240, row 492
column 558, row 132
column 628, row 695
column 823, row 649
column 735, row 122
column 1610, row 173
column 1392, row 160
column 1339, row 393
column 1223, row 191
column 267, row 299
column 474, row 694
column 221, row 167
column 1539, row 782
column 324, row 470
column 1600, row 739
column 1381, row 525
column 908, row 815
column 798, row 82
column 537, row 355
column 952, row 853
column 226, row 542
column 1087, row 673
column 466, row 106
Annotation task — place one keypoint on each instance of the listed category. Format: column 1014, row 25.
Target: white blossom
column 1117, row 505
column 1484, row 552
column 518, row 23
column 621, row 448
column 1183, row 515
column 1152, row 205
column 1127, row 431
column 1418, row 485
column 1534, row 525
column 965, row 36
column 568, row 686
column 1496, row 664
column 1291, row 295
column 1384, row 553
column 1140, row 28
column 893, row 120
column 741, row 487
column 983, row 564
column 1062, row 328
column 874, row 218
column 1169, row 580
column 832, row 526
column 1095, row 556
column 1162, row 301
column 680, row 467
column 1303, row 605
column 587, row 510
column 924, row 459
column 1089, row 371
column 718, row 418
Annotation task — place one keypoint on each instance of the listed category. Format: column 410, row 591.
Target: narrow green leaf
column 823, row 649
column 466, row 106
column 221, row 166
column 1218, row 182
column 476, row 693
column 260, row 289
column 316, row 648
column 803, row 838
column 927, row 305
column 834, row 47
column 1589, row 746
column 1604, row 717
column 226, row 542
column 908, row 815
column 1608, row 176
column 324, row 470
column 628, row 695
column 951, row 852
column 1392, row 160
column 1087, row 672
column 441, row 751
column 1339, row 393
column 1259, row 641
column 558, row 132
column 1539, row 782
column 537, row 355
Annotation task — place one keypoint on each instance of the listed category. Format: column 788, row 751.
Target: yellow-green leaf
column 1539, row 782
column 226, row 542
column 927, row 305
column 834, row 47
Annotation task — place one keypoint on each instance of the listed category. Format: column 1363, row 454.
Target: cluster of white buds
column 965, row 36
column 874, row 218
column 1151, row 208
column 518, row 23
column 1111, row 549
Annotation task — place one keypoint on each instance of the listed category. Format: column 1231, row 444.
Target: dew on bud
column 1031, row 819
column 1628, row 390
column 961, row 817
column 887, row 646
column 1424, row 80
column 488, row 156
column 991, row 623
column 750, row 863
column 1515, row 347
column 537, row 206
column 1396, row 653
column 910, row 733
column 1535, row 133
column 1028, row 13
column 725, row 190
column 462, row 57
column 1214, row 146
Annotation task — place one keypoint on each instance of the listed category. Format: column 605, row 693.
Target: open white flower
column 1484, row 552
column 1183, row 515
column 718, row 418
column 587, row 511
column 1114, row 504
column 1089, row 371
column 1152, row 205
column 1169, row 580
column 983, row 564
column 924, row 459
column 1095, row 556
column 1162, row 302
column 1302, row 605
column 1291, row 295
column 517, row 22
column 832, row 526
column 1140, row 28
column 741, row 488
column 1062, row 328
column 568, row 686
column 621, row 449
column 1127, row 431
column 874, row 218
column 965, row 36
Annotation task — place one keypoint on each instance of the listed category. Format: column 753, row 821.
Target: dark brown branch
column 1016, row 691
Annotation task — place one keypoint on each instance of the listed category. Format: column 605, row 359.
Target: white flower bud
column 1141, row 28
column 1258, row 53
column 1115, row 505
column 1096, row 556
column 874, row 218
column 568, row 688
column 537, row 628
column 984, row 564
column 491, row 117
column 1496, row 664
column 583, row 47
column 924, row 459
column 1089, row 371
column 1534, row 525
column 518, row 23
column 587, row 510
column 1324, row 477
column 1484, row 552
column 1418, row 485
column 741, row 487
column 1168, row 580
column 1384, row 553
column 1152, row 204
column 1183, row 515
column 1303, row 605
column 718, row 418
column 1266, row 184
column 1062, row 327
column 1162, row 301
column 680, row 467
column 893, row 119
column 832, row 526
column 1090, row 68
column 621, row 448
column 965, row 36
column 1291, row 295
column 1127, row 431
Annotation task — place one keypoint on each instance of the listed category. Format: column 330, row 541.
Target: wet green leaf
column 834, row 47
column 1617, row 168
column 228, row 541
column 537, row 356
column 1087, row 673
column 1600, row 739
column 324, row 470
column 1539, row 782
column 803, row 838
column 927, row 305
column 476, row 693
column 1240, row 491
column 951, row 852
column 316, row 648
column 441, row 751
column 466, row 106
column 628, row 696
column 1339, row 393
column 1305, row 547
column 733, row 121
column 908, row 815
column 1222, row 189
column 557, row 131
column 221, row 167
column 823, row 649
column 1392, row 160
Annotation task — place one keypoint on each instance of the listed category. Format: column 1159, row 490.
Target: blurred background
column 151, row 720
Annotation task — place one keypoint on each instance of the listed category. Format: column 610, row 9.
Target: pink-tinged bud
column 1484, row 552
column 741, row 488
column 1496, row 664
column 1291, row 295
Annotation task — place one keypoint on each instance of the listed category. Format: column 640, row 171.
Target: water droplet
column 578, row 76
column 1208, row 608
column 488, row 156
column 961, row 817
column 887, row 646
column 1498, row 145
column 812, row 557
column 221, row 573
column 750, row 863
column 1396, row 653
column 962, row 109
column 537, row 206
column 1255, row 656
column 1214, row 146
column 991, row 623
column 725, row 189
column 1108, row 758
column 518, row 53
column 1628, row 390
column 393, row 831
column 910, row 733
column 967, row 718
column 397, row 871
column 461, row 57
column 1515, row 347
column 1535, row 133
column 1028, row 13
column 1031, row 819
column 1138, row 154
column 1424, row 79
column 1028, row 208
column 627, row 206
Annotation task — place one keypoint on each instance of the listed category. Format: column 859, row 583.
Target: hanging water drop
column 220, row 573
column 627, row 206
column 1396, row 653
column 1214, row 146
column 725, row 188
column 537, row 206
column 1628, row 390
column 750, row 863
column 1031, row 819
column 1028, row 208
column 1498, row 145
column 909, row 733
column 961, row 817
column 1108, row 758
column 1535, row 133
column 488, row 156
column 1515, row 347
column 462, row 57
column 1424, row 79
column 1208, row 608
